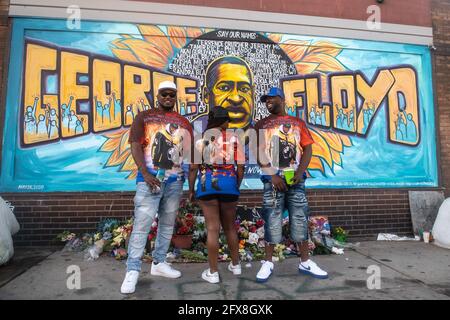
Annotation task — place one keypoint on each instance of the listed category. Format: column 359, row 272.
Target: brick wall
column 441, row 39
column 412, row 12
column 364, row 213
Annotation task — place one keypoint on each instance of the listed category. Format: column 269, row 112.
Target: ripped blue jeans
column 146, row 206
column 274, row 203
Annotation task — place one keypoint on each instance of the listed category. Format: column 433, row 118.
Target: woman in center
column 219, row 177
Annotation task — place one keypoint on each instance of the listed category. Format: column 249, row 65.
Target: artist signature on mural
column 30, row 187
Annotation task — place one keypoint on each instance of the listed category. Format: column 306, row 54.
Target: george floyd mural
column 72, row 96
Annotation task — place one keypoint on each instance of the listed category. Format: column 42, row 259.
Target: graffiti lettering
column 68, row 94
column 354, row 101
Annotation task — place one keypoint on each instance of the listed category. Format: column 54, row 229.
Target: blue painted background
column 78, row 165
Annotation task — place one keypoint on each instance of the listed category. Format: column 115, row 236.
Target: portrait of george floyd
column 229, row 84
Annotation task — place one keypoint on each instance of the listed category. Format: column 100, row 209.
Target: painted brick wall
column 441, row 39
column 364, row 213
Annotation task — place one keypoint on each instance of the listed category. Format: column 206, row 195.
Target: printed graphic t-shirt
column 284, row 138
column 217, row 173
column 163, row 136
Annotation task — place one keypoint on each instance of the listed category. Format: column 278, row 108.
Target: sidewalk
column 409, row 270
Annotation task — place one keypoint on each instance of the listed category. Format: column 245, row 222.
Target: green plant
column 193, row 256
column 340, row 234
column 321, row 249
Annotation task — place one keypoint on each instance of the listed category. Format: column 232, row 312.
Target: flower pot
column 182, row 241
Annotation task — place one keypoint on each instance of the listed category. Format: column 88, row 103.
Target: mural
column 73, row 94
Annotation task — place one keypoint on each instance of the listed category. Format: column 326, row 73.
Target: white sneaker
column 129, row 283
column 311, row 268
column 265, row 272
column 210, row 277
column 164, row 269
column 236, row 270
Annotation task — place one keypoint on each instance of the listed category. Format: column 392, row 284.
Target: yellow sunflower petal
column 320, row 147
column 111, row 144
column 346, row 141
column 116, row 159
column 327, row 63
column 336, row 157
column 124, row 54
column 325, row 47
column 316, row 164
column 193, row 33
column 156, row 36
column 132, row 175
column 177, row 36
column 124, row 145
column 333, row 140
column 118, row 43
column 295, row 49
column 129, row 163
column 147, row 53
column 306, row 67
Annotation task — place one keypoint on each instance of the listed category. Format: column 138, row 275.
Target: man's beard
column 275, row 108
column 167, row 108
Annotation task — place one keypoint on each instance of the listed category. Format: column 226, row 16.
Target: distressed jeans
column 274, row 203
column 146, row 206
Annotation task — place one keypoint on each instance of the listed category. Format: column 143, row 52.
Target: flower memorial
column 112, row 237
column 185, row 222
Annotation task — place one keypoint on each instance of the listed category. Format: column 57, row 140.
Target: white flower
column 260, row 232
column 253, row 238
column 337, row 250
column 199, row 219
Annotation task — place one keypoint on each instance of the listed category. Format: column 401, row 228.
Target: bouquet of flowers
column 251, row 240
column 65, row 236
column 121, row 233
column 185, row 222
column 339, row 234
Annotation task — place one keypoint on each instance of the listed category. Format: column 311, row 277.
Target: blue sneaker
column 311, row 268
column 265, row 272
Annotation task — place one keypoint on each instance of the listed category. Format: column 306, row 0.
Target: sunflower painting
column 73, row 95
column 179, row 49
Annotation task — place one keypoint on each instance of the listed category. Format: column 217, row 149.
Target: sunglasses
column 168, row 94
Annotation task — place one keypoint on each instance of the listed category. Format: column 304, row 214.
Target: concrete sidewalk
column 409, row 270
